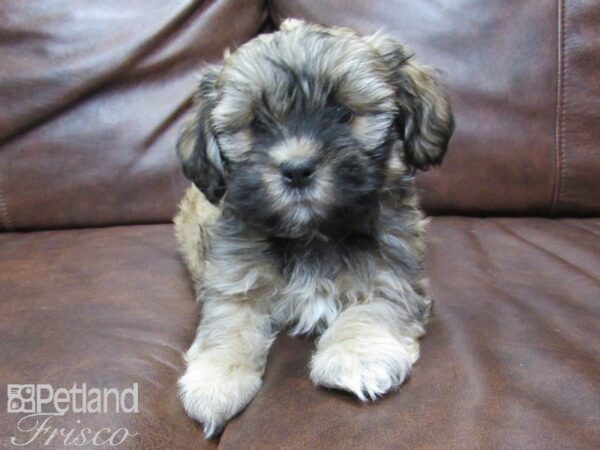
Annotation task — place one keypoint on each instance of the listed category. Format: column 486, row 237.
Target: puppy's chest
column 321, row 258
column 318, row 279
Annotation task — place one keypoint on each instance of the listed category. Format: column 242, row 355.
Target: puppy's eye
column 346, row 115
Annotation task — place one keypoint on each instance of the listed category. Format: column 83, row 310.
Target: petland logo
column 42, row 403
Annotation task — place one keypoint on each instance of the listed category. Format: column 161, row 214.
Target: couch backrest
column 93, row 95
column 92, row 98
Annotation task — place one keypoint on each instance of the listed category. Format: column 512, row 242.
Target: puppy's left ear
column 425, row 118
column 197, row 147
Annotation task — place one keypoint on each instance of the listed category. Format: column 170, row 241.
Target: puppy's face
column 302, row 129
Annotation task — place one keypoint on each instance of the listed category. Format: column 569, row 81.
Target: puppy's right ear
column 197, row 147
column 425, row 118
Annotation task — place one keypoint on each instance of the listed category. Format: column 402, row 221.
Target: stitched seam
column 560, row 122
column 4, row 216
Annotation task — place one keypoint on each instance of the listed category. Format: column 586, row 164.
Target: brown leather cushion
column 106, row 307
column 93, row 97
column 524, row 79
column 510, row 359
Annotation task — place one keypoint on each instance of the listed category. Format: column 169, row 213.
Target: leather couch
column 92, row 290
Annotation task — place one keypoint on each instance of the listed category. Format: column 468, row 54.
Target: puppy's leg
column 192, row 223
column 368, row 350
column 225, row 362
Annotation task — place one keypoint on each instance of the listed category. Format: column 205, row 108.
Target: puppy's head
column 303, row 129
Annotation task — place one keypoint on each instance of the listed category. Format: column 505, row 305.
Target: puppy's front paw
column 367, row 366
column 213, row 391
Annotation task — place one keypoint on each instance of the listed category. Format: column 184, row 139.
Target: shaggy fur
column 303, row 212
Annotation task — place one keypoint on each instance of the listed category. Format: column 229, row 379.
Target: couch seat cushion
column 510, row 360
column 108, row 307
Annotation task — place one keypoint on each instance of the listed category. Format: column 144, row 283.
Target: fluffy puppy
column 303, row 212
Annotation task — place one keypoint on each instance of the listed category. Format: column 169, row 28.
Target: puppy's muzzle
column 298, row 173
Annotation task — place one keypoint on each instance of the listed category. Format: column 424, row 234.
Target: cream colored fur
column 192, row 224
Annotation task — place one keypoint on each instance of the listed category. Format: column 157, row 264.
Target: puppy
column 303, row 213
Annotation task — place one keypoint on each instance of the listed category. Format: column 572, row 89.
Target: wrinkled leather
column 109, row 307
column 510, row 359
column 93, row 97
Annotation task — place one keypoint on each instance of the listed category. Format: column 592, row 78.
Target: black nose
column 298, row 172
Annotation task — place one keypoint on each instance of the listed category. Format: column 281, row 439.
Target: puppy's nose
column 298, row 172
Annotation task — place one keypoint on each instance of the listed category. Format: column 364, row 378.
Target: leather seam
column 559, row 160
column 4, row 216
